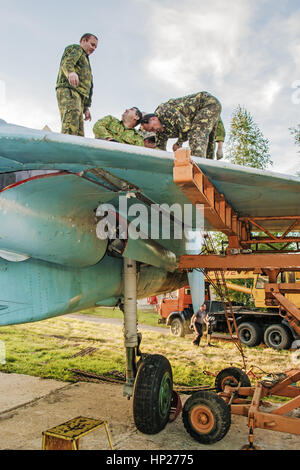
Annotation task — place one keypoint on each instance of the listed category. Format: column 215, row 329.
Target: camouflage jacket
column 220, row 132
column 110, row 127
column 177, row 115
column 75, row 59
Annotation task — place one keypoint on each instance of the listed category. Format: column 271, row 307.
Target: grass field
column 144, row 317
column 46, row 349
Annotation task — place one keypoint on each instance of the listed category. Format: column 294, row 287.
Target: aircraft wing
column 249, row 191
column 48, row 218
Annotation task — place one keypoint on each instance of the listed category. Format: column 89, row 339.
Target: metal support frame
column 197, row 187
column 270, row 265
column 242, row 262
column 275, row 420
column 253, row 224
column 241, row 235
column 241, row 231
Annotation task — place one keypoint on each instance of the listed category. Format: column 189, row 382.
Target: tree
column 295, row 131
column 246, row 145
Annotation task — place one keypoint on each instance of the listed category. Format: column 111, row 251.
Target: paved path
column 116, row 321
column 31, row 405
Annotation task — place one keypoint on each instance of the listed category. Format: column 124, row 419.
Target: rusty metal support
column 277, row 419
column 243, row 262
column 288, row 310
column 222, row 216
column 197, row 187
column 271, row 265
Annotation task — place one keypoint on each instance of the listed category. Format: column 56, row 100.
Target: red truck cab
column 177, row 312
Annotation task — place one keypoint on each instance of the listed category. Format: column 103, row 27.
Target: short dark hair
column 145, row 119
column 87, row 36
column 150, row 139
column 139, row 113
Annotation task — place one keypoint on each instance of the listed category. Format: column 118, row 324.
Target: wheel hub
column 165, row 395
column 275, row 338
column 202, row 419
column 246, row 335
column 231, row 381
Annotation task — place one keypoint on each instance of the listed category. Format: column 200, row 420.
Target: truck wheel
column 250, row 334
column 206, row 417
column 177, row 328
column 277, row 337
column 231, row 376
column 152, row 394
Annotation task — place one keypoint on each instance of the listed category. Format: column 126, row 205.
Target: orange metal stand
column 222, row 217
column 197, row 187
column 276, row 420
column 239, row 230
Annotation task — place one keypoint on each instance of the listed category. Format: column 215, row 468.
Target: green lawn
column 144, row 317
column 46, row 349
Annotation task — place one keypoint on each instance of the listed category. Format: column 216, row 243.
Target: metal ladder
column 221, row 289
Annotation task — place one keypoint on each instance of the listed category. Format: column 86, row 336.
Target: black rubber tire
column 177, row 327
column 250, row 334
column 231, row 376
column 152, row 394
column 206, row 417
column 277, row 337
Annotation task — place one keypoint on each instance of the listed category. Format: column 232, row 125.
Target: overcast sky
column 243, row 52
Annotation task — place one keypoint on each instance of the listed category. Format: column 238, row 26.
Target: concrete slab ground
column 30, row 405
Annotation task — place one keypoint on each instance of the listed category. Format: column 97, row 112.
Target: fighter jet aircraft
column 87, row 223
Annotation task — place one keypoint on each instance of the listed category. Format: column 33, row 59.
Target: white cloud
column 270, row 91
column 29, row 114
column 193, row 40
column 241, row 52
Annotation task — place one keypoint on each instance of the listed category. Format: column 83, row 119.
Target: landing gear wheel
column 206, row 417
column 231, row 376
column 152, row 394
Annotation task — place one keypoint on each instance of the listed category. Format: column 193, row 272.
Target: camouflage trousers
column 203, row 130
column 71, row 106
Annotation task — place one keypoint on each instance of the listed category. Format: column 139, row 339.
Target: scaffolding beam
column 241, row 231
column 248, row 262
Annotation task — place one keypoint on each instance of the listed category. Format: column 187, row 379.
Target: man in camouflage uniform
column 74, row 86
column 220, row 138
column 216, row 140
column 110, row 128
column 193, row 118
